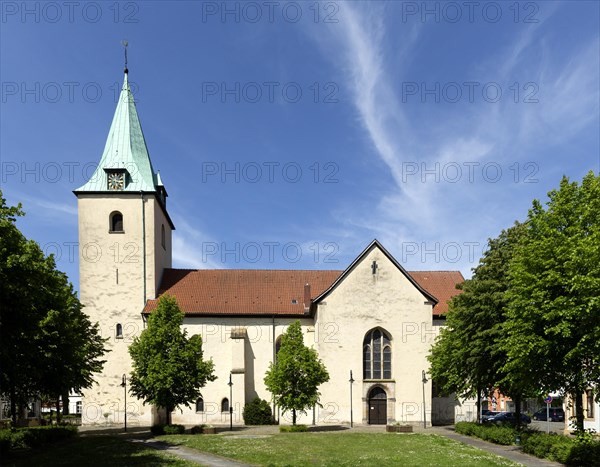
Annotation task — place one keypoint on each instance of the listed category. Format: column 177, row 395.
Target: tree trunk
column 579, row 411
column 169, row 410
column 293, row 416
column 57, row 410
column 65, row 401
column 13, row 406
column 478, row 405
column 517, row 400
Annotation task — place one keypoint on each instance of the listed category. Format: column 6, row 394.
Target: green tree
column 553, row 330
column 69, row 345
column 298, row 372
column 34, row 358
column 168, row 368
column 22, row 268
column 469, row 355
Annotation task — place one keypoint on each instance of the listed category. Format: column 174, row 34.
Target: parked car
column 507, row 418
column 485, row 414
column 557, row 414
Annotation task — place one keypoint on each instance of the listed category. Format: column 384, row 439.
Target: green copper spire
column 125, row 150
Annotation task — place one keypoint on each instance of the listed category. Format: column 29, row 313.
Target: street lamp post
column 351, row 415
column 124, row 386
column 424, row 380
column 230, row 384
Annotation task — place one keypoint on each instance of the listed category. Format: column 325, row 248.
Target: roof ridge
column 436, row 270
column 249, row 269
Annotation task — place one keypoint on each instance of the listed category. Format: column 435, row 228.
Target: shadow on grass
column 92, row 450
column 318, row 429
column 93, row 431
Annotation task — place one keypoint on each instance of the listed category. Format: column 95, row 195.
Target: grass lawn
column 342, row 449
column 95, row 450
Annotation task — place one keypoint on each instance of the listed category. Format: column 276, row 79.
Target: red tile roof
column 440, row 284
column 268, row 292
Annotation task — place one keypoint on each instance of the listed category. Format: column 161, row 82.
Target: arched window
column 225, row 405
column 200, row 405
column 162, row 236
column 116, row 222
column 377, row 355
column 119, row 331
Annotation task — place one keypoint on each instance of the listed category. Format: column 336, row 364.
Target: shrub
column 564, row 450
column 34, row 436
column 257, row 412
column 157, row 430
column 5, row 441
column 582, row 451
column 504, row 435
column 549, row 446
column 197, row 429
column 465, row 428
column 174, row 429
column 293, row 428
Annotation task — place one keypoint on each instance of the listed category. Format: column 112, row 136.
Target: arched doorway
column 377, row 407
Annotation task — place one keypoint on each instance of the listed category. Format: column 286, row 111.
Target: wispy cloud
column 414, row 210
column 190, row 247
column 66, row 211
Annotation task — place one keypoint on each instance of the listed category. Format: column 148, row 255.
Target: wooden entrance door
column 377, row 407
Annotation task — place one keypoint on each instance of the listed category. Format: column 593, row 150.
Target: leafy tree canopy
column 469, row 354
column 168, row 368
column 553, row 330
column 49, row 346
column 298, row 372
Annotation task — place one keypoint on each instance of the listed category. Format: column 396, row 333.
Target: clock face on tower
column 116, row 181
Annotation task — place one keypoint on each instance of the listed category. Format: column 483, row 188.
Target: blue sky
column 289, row 135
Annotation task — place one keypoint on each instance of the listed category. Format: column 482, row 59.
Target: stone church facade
column 373, row 322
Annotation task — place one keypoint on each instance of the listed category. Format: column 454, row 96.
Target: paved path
column 202, row 458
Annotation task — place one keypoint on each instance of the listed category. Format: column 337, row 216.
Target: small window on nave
column 225, row 405
column 200, row 405
column 119, row 331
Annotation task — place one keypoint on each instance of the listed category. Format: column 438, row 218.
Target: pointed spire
column 126, row 149
column 125, row 44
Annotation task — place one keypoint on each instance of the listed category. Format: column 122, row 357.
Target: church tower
column 124, row 247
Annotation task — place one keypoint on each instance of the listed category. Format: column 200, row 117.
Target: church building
column 372, row 324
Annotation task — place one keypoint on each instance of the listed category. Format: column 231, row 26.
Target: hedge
column 579, row 451
column 569, row 451
column 496, row 434
column 293, row 428
column 174, row 429
column 25, row 438
column 158, row 430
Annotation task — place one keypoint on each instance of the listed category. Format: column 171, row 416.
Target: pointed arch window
column 200, row 404
column 377, row 355
column 162, row 236
column 225, row 405
column 116, row 222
